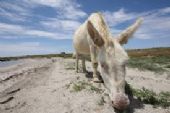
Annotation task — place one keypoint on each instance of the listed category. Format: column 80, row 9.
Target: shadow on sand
column 134, row 103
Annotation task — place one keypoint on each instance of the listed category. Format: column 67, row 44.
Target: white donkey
column 94, row 38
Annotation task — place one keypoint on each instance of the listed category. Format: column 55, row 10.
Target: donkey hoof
column 95, row 79
column 85, row 71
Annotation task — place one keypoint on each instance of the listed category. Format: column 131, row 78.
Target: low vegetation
column 154, row 59
column 101, row 101
column 149, row 97
column 155, row 64
column 144, row 95
column 62, row 54
column 81, row 85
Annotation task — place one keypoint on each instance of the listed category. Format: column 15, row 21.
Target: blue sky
column 47, row 26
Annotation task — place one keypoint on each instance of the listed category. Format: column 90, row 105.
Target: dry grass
column 149, row 52
column 154, row 59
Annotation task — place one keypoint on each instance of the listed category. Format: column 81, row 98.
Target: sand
column 45, row 86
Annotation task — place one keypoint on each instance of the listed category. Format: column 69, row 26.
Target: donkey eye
column 104, row 65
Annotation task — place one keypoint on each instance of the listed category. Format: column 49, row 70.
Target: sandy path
column 45, row 90
column 156, row 82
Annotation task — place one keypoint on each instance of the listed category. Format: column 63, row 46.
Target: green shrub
column 152, row 63
column 145, row 95
column 167, row 66
column 149, row 97
column 95, row 89
column 79, row 86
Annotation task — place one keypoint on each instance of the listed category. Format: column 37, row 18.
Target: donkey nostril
column 120, row 105
column 120, row 102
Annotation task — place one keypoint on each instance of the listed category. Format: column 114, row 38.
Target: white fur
column 111, row 56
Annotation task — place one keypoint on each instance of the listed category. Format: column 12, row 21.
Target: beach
column 46, row 85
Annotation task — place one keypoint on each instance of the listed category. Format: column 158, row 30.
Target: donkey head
column 112, row 59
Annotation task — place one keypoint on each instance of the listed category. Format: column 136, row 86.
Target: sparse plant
column 154, row 64
column 95, row 89
column 149, row 97
column 145, row 95
column 101, row 101
column 79, row 86
column 167, row 66
column 68, row 85
column 164, row 99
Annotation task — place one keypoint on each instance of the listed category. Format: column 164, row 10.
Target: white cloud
column 11, row 16
column 15, row 31
column 35, row 44
column 165, row 10
column 19, row 47
column 69, row 9
column 14, row 7
column 14, row 11
column 72, row 13
column 40, row 33
column 62, row 26
column 24, row 48
column 118, row 17
column 156, row 22
column 10, row 28
column 59, row 24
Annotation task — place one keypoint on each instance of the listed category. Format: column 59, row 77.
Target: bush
column 149, row 97
column 152, row 63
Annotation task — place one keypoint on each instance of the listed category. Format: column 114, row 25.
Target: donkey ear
column 126, row 34
column 94, row 35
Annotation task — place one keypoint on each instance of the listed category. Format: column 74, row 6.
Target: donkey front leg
column 77, row 63
column 93, row 55
column 84, row 65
